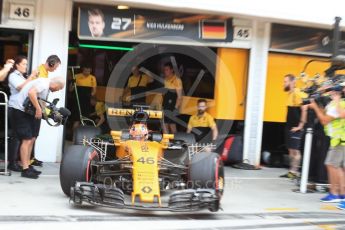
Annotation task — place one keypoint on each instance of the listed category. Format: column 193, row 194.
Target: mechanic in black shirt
column 172, row 97
column 136, row 88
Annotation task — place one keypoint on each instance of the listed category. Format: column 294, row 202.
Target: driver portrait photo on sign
column 96, row 22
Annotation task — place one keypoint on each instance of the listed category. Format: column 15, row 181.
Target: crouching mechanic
column 202, row 123
column 27, row 126
column 333, row 120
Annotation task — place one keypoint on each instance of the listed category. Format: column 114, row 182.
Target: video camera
column 320, row 96
column 332, row 82
column 51, row 112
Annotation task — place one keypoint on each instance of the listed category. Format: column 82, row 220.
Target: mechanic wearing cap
column 333, row 120
column 202, row 123
column 295, row 120
column 134, row 93
column 172, row 97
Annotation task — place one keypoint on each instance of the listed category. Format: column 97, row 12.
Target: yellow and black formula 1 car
column 140, row 169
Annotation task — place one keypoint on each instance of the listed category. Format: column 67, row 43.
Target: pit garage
column 202, row 49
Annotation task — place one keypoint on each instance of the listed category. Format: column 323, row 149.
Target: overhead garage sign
column 302, row 39
column 105, row 23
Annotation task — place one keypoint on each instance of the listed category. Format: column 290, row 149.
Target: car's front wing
column 179, row 201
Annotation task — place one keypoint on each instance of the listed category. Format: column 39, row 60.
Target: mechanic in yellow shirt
column 202, row 123
column 134, row 92
column 52, row 63
column 86, row 85
column 86, row 79
column 172, row 98
column 99, row 115
column 295, row 119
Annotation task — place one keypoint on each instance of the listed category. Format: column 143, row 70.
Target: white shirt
column 42, row 88
column 15, row 79
column 332, row 111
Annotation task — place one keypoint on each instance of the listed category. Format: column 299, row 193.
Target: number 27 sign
column 22, row 11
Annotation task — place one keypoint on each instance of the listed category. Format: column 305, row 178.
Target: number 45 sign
column 22, row 11
column 242, row 33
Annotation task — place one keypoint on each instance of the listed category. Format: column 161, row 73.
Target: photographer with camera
column 27, row 126
column 333, row 120
column 295, row 120
column 43, row 70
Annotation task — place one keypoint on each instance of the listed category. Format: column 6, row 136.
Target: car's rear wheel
column 76, row 166
column 206, row 171
column 85, row 131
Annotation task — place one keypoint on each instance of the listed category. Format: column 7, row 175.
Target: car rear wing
column 119, row 112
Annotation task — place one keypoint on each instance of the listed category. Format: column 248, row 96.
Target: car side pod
column 192, row 200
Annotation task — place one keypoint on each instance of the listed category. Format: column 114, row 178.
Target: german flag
column 213, row 29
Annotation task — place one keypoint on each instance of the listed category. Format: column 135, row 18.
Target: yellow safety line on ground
column 329, row 207
column 327, row 227
column 282, row 209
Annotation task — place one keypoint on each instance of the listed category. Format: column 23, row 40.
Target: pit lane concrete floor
column 252, row 200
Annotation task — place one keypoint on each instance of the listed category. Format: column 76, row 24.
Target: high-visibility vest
column 336, row 128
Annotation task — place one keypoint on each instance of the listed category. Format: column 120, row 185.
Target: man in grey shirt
column 27, row 126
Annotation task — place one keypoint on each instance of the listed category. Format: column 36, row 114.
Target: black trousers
column 14, row 142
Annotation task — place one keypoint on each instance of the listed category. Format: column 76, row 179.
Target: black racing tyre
column 85, row 131
column 186, row 137
column 206, row 171
column 75, row 166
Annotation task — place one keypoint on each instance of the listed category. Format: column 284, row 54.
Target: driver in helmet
column 139, row 132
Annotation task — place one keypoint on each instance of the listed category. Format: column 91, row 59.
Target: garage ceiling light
column 105, row 47
column 122, row 7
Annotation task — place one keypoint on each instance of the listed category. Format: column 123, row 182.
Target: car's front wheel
column 206, row 171
column 76, row 166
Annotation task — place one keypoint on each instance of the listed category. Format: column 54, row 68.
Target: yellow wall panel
column 230, row 87
column 231, row 84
